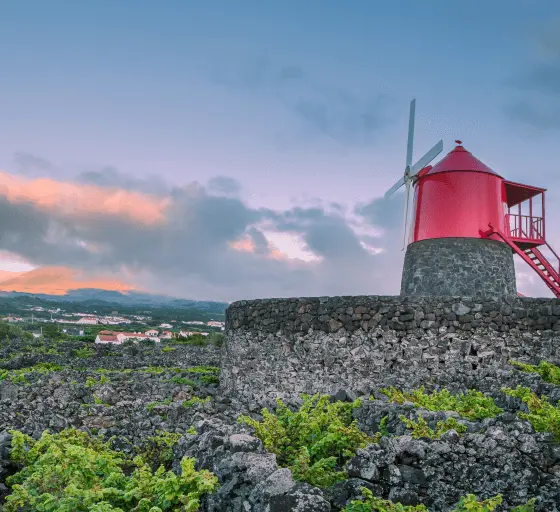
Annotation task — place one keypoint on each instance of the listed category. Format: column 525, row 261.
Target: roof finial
column 459, row 142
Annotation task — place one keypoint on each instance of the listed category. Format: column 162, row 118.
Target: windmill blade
column 427, row 158
column 409, row 145
column 394, row 188
column 405, row 213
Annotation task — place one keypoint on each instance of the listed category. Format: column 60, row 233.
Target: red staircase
column 532, row 256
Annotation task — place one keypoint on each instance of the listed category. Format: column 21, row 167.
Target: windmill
column 411, row 171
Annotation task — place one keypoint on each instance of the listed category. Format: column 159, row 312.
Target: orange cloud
column 246, row 244
column 56, row 281
column 75, row 199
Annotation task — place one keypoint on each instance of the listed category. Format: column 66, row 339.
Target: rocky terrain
column 130, row 393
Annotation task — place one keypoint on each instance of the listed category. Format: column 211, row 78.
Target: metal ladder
column 535, row 259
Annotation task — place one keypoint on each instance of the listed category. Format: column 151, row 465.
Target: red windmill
column 465, row 229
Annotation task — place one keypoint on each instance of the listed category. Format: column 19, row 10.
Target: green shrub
column 203, row 369
column 182, row 380
column 90, row 381
column 420, row 428
column 314, row 442
column 373, row 504
column 473, row 405
column 195, row 400
column 548, row 371
column 195, row 339
column 11, row 332
column 72, row 471
column 158, row 450
column 84, row 352
column 468, row 503
column 19, row 376
column 544, row 416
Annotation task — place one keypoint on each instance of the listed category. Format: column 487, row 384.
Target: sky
column 226, row 150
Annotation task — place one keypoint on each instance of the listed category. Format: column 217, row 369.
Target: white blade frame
column 394, row 188
column 427, row 158
column 406, row 197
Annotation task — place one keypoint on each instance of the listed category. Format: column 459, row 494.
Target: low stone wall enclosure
column 283, row 347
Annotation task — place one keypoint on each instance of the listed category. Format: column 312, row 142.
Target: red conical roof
column 459, row 159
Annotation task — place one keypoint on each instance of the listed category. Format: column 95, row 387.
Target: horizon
column 242, row 151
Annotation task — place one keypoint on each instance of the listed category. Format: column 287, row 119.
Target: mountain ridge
column 130, row 298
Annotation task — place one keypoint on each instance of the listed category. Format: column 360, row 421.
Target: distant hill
column 129, row 299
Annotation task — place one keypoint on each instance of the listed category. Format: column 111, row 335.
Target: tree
column 52, row 331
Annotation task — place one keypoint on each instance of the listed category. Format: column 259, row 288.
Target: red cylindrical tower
column 457, row 198
column 450, row 252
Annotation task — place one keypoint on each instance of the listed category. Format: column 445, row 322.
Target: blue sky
column 302, row 103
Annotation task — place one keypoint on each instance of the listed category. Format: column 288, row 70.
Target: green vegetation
column 195, row 400
column 152, row 405
column 213, row 338
column 314, row 442
column 19, row 376
column 544, row 416
column 420, row 428
column 84, row 352
column 468, row 503
column 473, row 405
column 158, row 450
column 183, row 381
column 91, row 382
column 52, row 331
column 548, row 371
column 10, row 332
column 72, row 471
column 372, row 503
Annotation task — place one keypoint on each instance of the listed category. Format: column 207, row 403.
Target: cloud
column 199, row 244
column 224, row 185
column 532, row 114
column 29, row 164
column 384, row 213
column 334, row 111
column 78, row 200
column 111, row 177
column 539, row 84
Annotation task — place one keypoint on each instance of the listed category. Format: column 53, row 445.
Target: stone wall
column 282, row 347
column 458, row 266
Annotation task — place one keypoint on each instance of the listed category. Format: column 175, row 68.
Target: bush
column 468, row 503
column 84, row 352
column 544, row 416
column 13, row 332
column 314, row 442
column 372, row 503
column 473, row 405
column 72, row 471
column 548, row 371
column 158, row 450
column 19, row 376
column 420, row 428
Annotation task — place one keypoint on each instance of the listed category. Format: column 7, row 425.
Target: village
column 139, row 327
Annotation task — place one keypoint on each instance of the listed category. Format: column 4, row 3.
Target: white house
column 87, row 320
column 120, row 337
column 108, row 338
column 152, row 333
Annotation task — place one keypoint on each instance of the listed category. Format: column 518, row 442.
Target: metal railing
column 525, row 226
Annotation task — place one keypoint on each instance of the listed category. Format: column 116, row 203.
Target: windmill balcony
column 526, row 230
